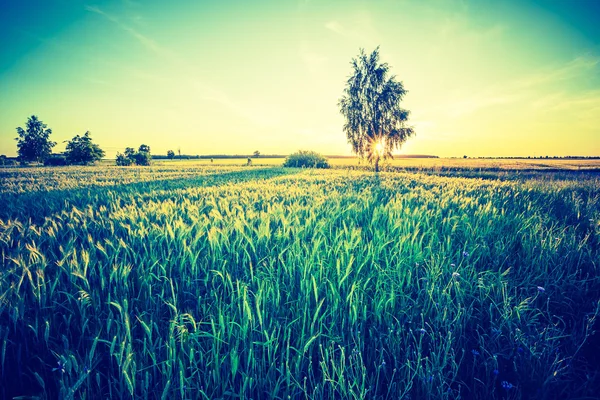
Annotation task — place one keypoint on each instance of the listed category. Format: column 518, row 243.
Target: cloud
column 358, row 27
column 313, row 60
column 336, row 27
column 147, row 42
column 534, row 89
column 258, row 114
column 570, row 70
column 480, row 101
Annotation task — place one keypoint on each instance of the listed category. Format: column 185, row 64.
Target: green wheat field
column 223, row 281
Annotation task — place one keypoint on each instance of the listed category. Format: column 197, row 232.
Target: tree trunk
column 377, row 164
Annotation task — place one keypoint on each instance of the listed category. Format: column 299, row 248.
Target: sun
column 379, row 147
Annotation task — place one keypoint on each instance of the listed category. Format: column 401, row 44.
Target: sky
column 484, row 77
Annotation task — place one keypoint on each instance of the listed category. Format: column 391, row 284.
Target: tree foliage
column 81, row 150
column 130, row 157
column 171, row 154
column 375, row 123
column 143, row 157
column 33, row 143
column 306, row 159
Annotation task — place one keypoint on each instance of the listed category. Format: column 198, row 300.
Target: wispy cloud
column 358, row 27
column 573, row 69
column 480, row 101
column 146, row 41
column 313, row 60
column 336, row 27
column 537, row 89
column 257, row 114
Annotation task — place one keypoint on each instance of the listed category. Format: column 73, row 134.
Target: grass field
column 414, row 163
column 188, row 281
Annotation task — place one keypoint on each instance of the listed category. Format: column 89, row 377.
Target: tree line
column 34, row 145
column 374, row 122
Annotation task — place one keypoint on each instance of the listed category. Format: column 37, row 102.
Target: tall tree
column 33, row 143
column 81, row 150
column 171, row 154
column 375, row 123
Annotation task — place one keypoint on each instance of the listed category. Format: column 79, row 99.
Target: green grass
column 230, row 282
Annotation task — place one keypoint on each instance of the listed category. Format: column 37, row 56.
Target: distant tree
column 179, row 152
column 130, row 153
column 256, row 153
column 140, row 157
column 123, row 160
column 81, row 150
column 375, row 124
column 143, row 157
column 33, row 143
column 171, row 154
column 465, row 156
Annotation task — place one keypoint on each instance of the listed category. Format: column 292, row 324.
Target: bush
column 55, row 160
column 123, row 160
column 142, row 158
column 306, row 159
column 132, row 157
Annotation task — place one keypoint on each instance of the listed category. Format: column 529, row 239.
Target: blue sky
column 485, row 78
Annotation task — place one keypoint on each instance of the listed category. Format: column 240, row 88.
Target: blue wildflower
column 475, row 352
column 60, row 367
column 541, row 289
column 496, row 372
column 465, row 254
column 423, row 331
column 507, row 385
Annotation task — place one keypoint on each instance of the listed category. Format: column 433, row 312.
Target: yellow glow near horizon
column 506, row 78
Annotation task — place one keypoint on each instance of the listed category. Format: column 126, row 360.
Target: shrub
column 132, row 157
column 142, row 158
column 306, row 159
column 55, row 160
column 123, row 160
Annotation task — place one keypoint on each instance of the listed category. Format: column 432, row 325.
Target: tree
column 140, row 157
column 143, row 157
column 375, row 124
column 33, row 142
column 171, row 154
column 122, row 160
column 256, row 153
column 81, row 150
column 130, row 153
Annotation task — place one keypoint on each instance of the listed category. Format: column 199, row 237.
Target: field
column 425, row 164
column 195, row 281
